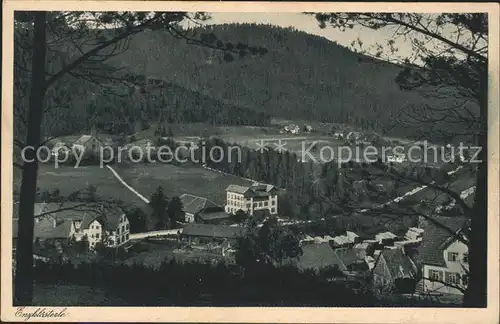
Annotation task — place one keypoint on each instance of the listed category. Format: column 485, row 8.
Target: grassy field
column 70, row 179
column 177, row 180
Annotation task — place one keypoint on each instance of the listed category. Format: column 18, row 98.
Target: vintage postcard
column 250, row 162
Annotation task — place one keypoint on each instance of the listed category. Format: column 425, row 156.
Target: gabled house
column 96, row 223
column 321, row 256
column 351, row 262
column 201, row 210
column 316, row 257
column 116, row 228
column 88, row 144
column 60, row 149
column 394, row 272
column 252, row 198
column 442, row 257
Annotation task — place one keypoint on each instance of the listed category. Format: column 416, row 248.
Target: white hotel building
column 250, row 199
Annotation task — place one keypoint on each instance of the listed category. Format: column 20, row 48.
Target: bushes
column 185, row 283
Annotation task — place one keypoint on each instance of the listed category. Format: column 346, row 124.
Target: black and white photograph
column 320, row 159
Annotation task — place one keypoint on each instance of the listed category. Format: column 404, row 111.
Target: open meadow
column 69, row 179
column 178, row 180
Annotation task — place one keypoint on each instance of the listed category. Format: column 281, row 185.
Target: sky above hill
column 309, row 25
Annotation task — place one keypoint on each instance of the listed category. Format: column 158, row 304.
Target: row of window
column 123, row 228
column 452, row 278
column 122, row 239
column 237, row 204
column 454, row 257
column 235, row 197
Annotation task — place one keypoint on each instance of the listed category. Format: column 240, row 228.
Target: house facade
column 449, row 275
column 77, row 221
column 251, row 199
column 394, row 272
column 88, row 144
column 117, row 230
column 443, row 258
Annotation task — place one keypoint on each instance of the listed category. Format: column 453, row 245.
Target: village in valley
column 242, row 164
column 422, row 261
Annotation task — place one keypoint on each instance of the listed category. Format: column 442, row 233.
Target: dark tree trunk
column 476, row 293
column 23, row 281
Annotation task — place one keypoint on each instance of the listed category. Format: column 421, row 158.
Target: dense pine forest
column 287, row 74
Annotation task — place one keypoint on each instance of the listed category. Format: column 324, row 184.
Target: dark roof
column 435, row 239
column 45, row 229
column 215, row 231
column 345, row 257
column 193, row 204
column 237, row 189
column 400, row 265
column 256, row 190
column 109, row 216
column 316, row 257
column 210, row 213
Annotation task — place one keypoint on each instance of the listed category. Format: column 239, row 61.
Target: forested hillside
column 301, row 76
column 297, row 76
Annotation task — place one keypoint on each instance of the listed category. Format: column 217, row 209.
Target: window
column 97, row 235
column 273, row 202
column 465, row 258
column 248, row 205
column 273, row 210
column 465, row 279
column 452, row 278
column 260, row 204
column 452, row 256
column 127, row 226
column 266, row 203
column 435, row 275
column 126, row 237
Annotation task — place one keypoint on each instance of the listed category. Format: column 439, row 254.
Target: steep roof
column 194, row 204
column 45, row 229
column 316, row 257
column 215, row 231
column 257, row 190
column 345, row 257
column 109, row 216
column 211, row 213
column 82, row 140
column 435, row 239
column 399, row 265
column 237, row 188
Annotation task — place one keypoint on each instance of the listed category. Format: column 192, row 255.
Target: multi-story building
column 94, row 222
column 251, row 199
column 443, row 258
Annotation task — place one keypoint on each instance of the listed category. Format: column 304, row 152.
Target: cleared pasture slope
column 69, row 179
column 177, row 180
